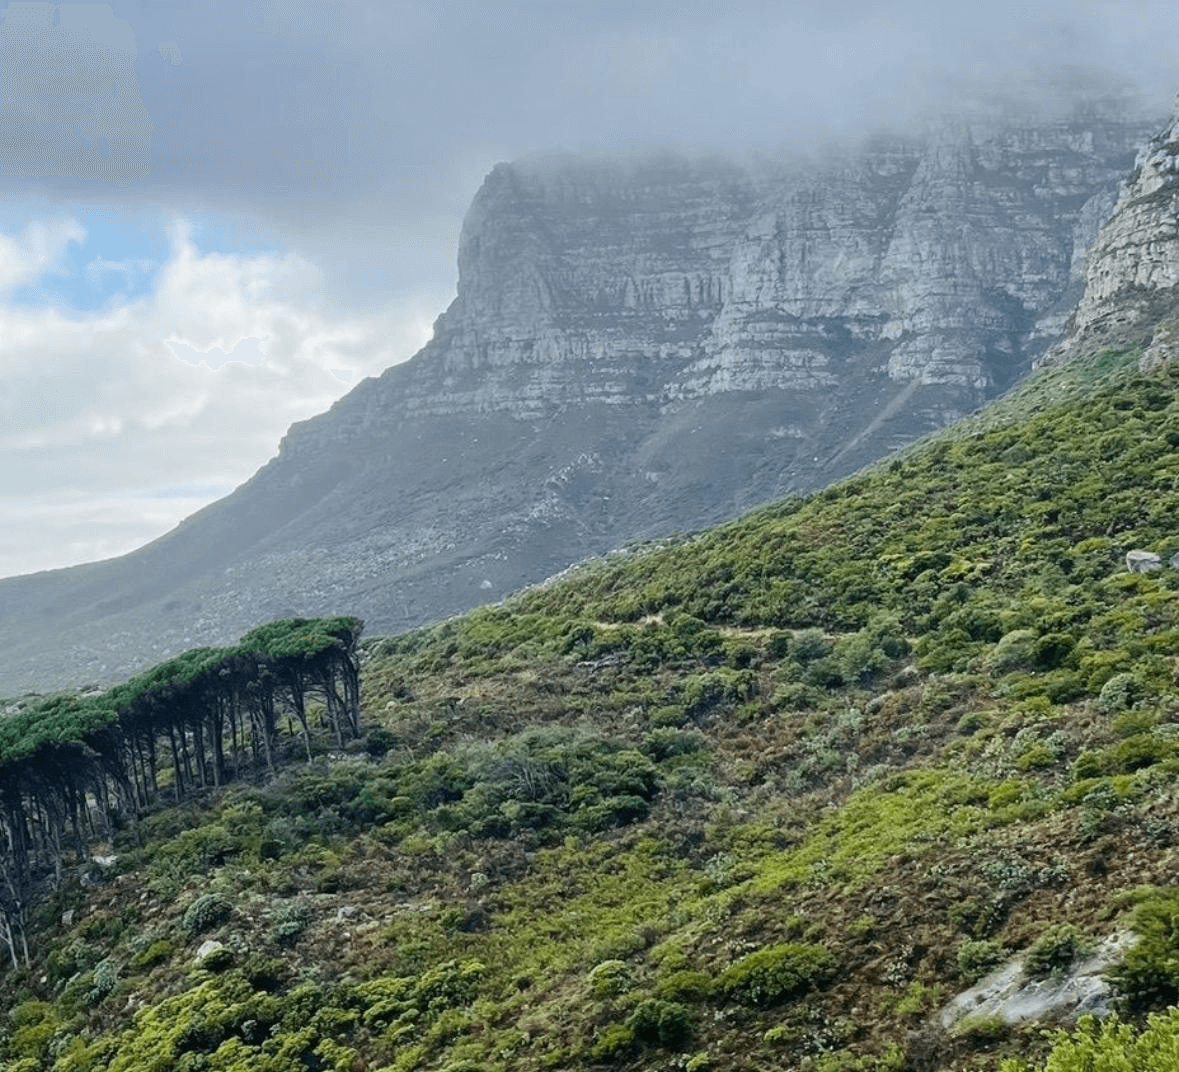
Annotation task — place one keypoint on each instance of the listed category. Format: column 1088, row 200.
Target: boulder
column 1009, row 995
column 1142, row 561
column 207, row 948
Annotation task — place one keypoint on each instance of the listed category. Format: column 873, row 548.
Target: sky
column 217, row 217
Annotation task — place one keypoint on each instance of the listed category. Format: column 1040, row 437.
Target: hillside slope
column 769, row 797
column 637, row 348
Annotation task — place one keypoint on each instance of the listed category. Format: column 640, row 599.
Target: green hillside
column 768, row 797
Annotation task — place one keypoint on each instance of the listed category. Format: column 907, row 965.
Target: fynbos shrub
column 206, row 912
column 778, row 972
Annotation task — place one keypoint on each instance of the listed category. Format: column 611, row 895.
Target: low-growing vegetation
column 767, row 797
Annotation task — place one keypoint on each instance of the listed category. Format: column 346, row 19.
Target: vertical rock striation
column 1131, row 295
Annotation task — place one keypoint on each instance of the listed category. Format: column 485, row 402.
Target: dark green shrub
column 379, row 742
column 796, row 696
column 103, row 980
column 289, row 921
column 1119, row 693
column 808, row 645
column 684, row 986
column 778, row 643
column 1014, row 651
column 666, row 741
column 206, row 912
column 1051, row 650
column 774, row 974
column 610, row 978
column 1055, row 951
column 1137, row 752
column 977, row 958
column 1089, row 764
column 154, row 954
column 971, row 723
column 1148, row 976
column 197, row 851
column 664, row 1023
column 700, row 693
column 615, row 1042
column 1038, row 757
column 217, row 960
column 1132, row 723
column 67, row 960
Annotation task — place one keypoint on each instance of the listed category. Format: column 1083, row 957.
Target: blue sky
column 119, row 253
column 215, row 218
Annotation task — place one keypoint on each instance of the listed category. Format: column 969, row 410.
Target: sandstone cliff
column 1131, row 295
column 637, row 348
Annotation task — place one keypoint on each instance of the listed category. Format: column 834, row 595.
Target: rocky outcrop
column 1009, row 995
column 1143, row 561
column 1131, row 295
column 637, row 348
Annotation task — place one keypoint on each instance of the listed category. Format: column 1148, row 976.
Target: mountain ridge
column 616, row 369
column 878, row 779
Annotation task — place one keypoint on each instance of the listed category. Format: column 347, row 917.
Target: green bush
column 665, row 742
column 615, row 1042
column 206, row 912
column 157, row 952
column 776, row 973
column 380, row 741
column 700, row 693
column 1110, row 1045
column 1014, row 651
column 1055, row 951
column 1148, row 975
column 289, row 921
column 1119, row 693
column 663, row 1023
column 103, row 980
column 610, row 978
column 684, row 986
column 977, row 958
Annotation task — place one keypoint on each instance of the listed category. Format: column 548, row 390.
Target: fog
column 222, row 216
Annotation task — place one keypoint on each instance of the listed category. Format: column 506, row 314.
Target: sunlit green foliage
column 1111, row 1046
column 765, row 797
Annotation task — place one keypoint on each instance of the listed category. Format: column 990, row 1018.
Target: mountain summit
column 637, row 348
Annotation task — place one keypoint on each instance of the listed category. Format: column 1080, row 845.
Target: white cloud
column 36, row 252
column 99, row 268
column 191, row 386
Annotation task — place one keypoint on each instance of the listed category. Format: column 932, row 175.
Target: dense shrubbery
column 776, row 973
column 874, row 736
column 1097, row 1046
column 1055, row 951
column 1148, row 976
column 206, row 912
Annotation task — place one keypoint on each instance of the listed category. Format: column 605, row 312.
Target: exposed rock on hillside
column 1132, row 278
column 636, row 348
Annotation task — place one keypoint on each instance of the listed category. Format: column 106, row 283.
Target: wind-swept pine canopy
column 69, row 763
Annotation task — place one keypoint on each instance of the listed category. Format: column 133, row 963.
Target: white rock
column 207, row 947
column 1142, row 561
column 1013, row 998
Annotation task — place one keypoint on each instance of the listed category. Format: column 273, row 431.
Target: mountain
column 878, row 779
column 637, row 348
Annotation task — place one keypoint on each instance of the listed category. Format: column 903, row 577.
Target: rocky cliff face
column 1131, row 294
column 637, row 348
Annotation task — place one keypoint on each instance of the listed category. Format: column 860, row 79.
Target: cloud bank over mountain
column 296, row 172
